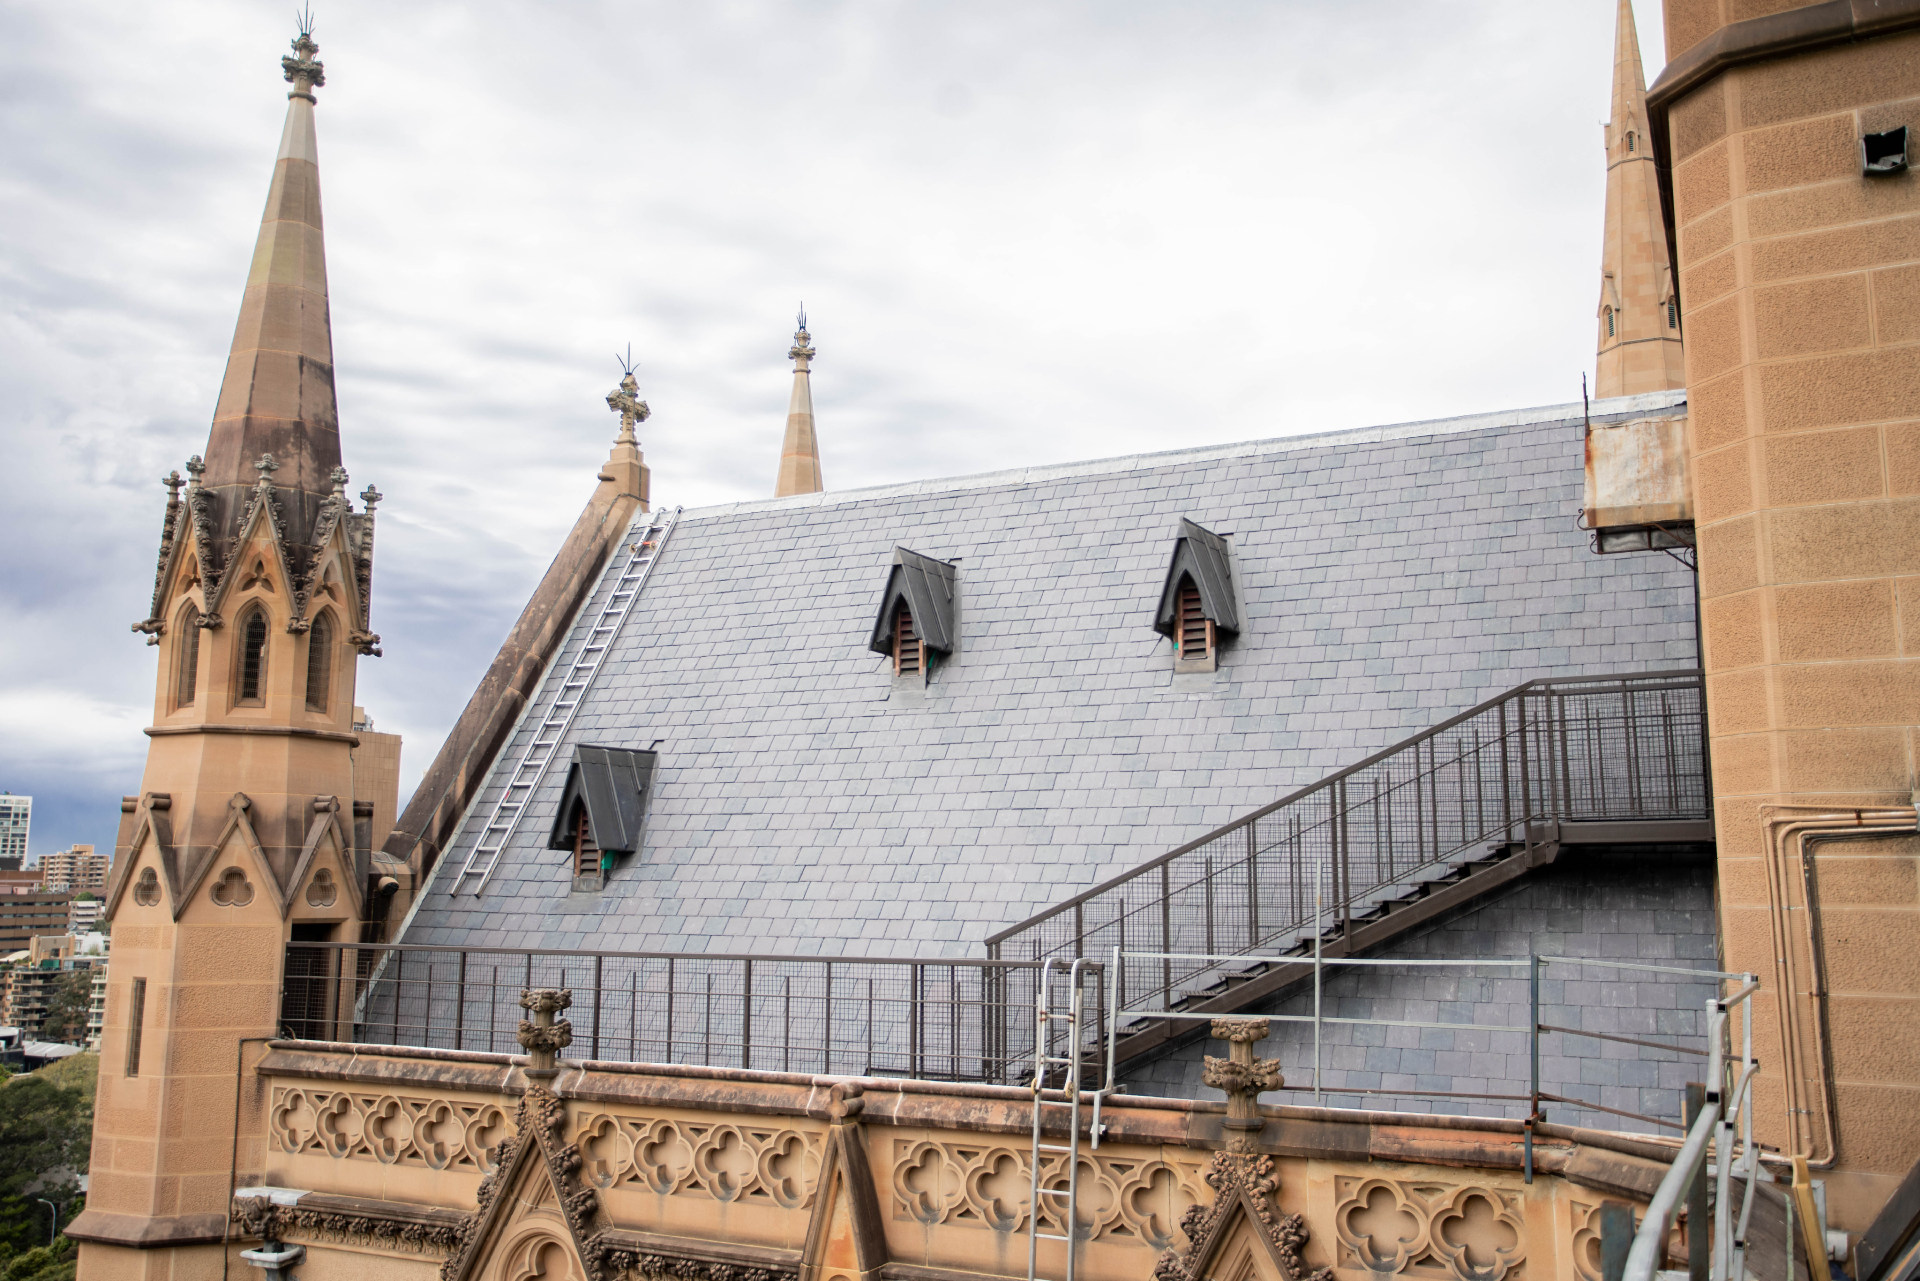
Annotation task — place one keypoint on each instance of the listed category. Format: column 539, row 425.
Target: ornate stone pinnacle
column 371, row 497
column 542, row 1037
column 173, row 483
column 196, row 468
column 339, row 477
column 625, row 401
column 266, row 467
column 802, row 341
column 303, row 66
column 1243, row 1077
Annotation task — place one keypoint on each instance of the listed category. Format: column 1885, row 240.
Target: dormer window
column 252, row 671
column 918, row 618
column 602, row 810
column 1199, row 609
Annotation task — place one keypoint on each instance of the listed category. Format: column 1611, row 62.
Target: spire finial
column 802, row 345
column 801, row 319
column 625, row 399
column 305, row 72
column 266, row 467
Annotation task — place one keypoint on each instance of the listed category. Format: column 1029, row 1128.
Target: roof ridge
column 1616, row 407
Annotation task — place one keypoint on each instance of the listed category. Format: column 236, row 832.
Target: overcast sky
column 1024, row 232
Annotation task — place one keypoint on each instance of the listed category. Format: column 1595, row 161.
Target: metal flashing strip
column 1619, row 407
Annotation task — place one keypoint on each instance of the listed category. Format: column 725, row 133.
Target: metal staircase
column 642, row 552
column 1410, row 833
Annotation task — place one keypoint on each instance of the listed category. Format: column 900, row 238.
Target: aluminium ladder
column 643, row 553
column 1073, row 1061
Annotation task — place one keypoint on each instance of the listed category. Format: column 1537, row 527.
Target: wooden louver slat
column 1195, row 632
column 586, row 855
column 909, row 652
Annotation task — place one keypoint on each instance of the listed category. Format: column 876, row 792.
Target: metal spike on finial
column 301, row 64
column 802, row 318
column 626, row 361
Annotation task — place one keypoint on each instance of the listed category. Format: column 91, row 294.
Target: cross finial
column 339, row 478
column 371, row 497
column 173, row 484
column 625, row 401
column 266, row 467
column 196, row 468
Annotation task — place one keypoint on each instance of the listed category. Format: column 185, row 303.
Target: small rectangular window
column 909, row 654
column 136, row 1024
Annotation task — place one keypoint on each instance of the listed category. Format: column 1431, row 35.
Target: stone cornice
column 269, row 731
column 1794, row 31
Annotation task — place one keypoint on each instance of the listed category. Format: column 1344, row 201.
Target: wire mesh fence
column 956, row 1020
column 1602, row 749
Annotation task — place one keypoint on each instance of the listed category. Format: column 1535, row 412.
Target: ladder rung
column 1055, row 1147
column 1051, row 1236
column 1056, row 1192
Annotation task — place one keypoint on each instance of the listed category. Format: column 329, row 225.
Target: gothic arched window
column 320, row 662
column 186, row 647
column 1609, row 322
column 1629, row 141
column 253, row 657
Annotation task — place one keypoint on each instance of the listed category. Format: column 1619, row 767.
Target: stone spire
column 277, row 396
column 1639, row 313
column 800, row 454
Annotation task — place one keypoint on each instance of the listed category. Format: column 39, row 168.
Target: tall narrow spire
column 277, row 397
column 800, row 453
column 1639, row 313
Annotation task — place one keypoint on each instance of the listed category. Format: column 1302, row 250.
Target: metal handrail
column 1501, row 774
column 1683, row 678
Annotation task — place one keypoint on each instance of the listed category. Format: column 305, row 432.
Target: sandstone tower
column 1639, row 314
column 1794, row 211
column 800, row 452
column 246, row 831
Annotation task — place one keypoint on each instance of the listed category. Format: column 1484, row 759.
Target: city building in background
column 84, row 912
column 30, row 914
column 75, row 868
column 16, row 822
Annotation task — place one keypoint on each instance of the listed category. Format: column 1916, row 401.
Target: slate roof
column 804, row 804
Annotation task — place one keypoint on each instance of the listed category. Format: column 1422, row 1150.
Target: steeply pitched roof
column 1390, row 577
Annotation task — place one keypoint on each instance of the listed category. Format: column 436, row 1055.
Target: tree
column 46, row 1127
column 68, row 1006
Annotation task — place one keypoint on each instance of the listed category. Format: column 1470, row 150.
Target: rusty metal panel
column 1637, row 473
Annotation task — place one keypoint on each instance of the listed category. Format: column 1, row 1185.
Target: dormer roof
column 1203, row 556
column 927, row 586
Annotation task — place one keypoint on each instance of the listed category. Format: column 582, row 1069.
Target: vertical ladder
column 642, row 554
column 1044, row 1015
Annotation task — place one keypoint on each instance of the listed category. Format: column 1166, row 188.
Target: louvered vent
column 1195, row 635
column 586, row 855
column 909, row 653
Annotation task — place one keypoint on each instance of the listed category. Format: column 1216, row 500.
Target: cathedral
column 849, row 884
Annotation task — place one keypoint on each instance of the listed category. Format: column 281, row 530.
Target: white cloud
column 1024, row 233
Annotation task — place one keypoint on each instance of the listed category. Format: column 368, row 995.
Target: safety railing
column 1627, row 748
column 957, row 1020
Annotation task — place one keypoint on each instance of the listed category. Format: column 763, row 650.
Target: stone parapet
column 465, row 1163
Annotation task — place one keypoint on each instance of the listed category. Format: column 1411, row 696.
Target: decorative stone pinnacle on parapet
column 625, row 401
column 266, row 467
column 1243, row 1077
column 305, row 72
column 196, row 468
column 370, row 496
column 543, row 1037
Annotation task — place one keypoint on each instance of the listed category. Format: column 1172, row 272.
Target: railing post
column 746, row 1014
column 1526, row 782
column 1207, row 908
column 460, row 1006
column 1166, row 933
column 668, row 1057
column 597, row 959
column 1253, row 887
column 826, row 1038
column 1506, row 777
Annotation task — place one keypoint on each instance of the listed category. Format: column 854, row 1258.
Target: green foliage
column 43, row 1263
column 67, row 1007
column 75, row 1072
column 46, row 1128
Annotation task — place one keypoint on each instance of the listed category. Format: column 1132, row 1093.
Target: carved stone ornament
column 259, row 1217
column 1244, row 1186
column 625, row 401
column 542, row 1120
column 1242, row 1077
column 543, row 1037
